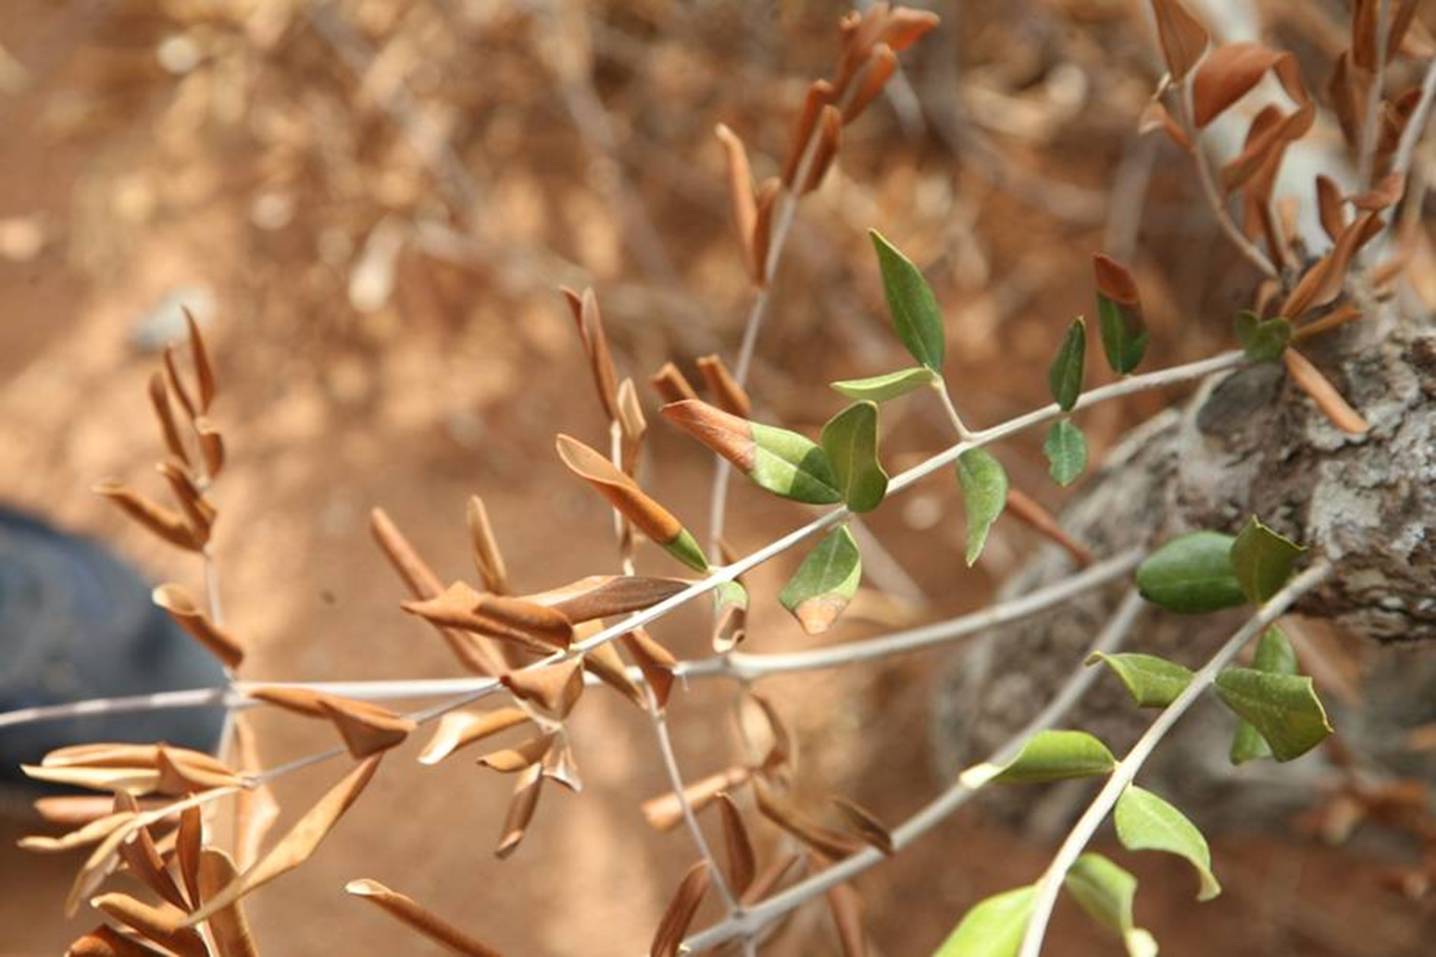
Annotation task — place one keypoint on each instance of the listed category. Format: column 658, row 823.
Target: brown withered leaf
column 1230, row 71
column 458, row 608
column 847, row 909
column 203, row 370
column 740, row 196
column 742, row 863
column 298, row 844
column 560, row 765
column 459, row 729
column 196, row 508
column 105, row 941
column 632, row 426
column 584, row 307
column 1364, row 28
column 113, row 754
column 769, row 878
column 556, row 688
column 1271, row 132
column 86, row 834
column 729, row 395
column 782, row 752
column 723, row 433
column 229, row 927
column 622, row 492
column 882, row 64
column 162, row 924
column 176, row 382
column 145, row 864
column 830, row 138
column 820, row 95
column 1031, row 513
column 785, row 814
column 180, row 775
column 664, row 811
column 1319, row 388
column 864, row 824
column 521, row 810
column 487, row 558
column 1347, row 90
column 549, row 625
column 189, row 842
column 211, row 446
column 905, row 26
column 188, row 615
column 165, row 523
column 1182, row 36
column 366, row 728
column 136, row 781
column 671, row 385
column 762, row 238
column 414, row 915
column 522, row 755
column 423, row 584
column 1382, row 195
column 296, row 700
column 1342, row 314
column 73, row 810
column 1324, row 281
column 607, row 596
column 255, row 808
column 654, row 661
column 605, row 662
column 1331, row 206
column 680, row 911
column 160, row 401
column 1155, row 117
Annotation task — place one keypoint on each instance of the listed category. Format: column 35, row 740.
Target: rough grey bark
column 1248, row 443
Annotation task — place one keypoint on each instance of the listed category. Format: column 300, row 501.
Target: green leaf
column 993, row 928
column 1274, row 654
column 1065, row 374
column 850, row 440
column 793, row 466
column 1104, row 890
column 1262, row 560
column 1262, row 341
column 824, row 584
column 916, row 319
column 1048, row 756
column 984, row 496
column 730, row 595
column 1191, row 574
column 880, row 388
column 1146, row 822
column 685, row 548
column 1152, row 682
column 1283, row 708
column 1066, row 451
column 1119, row 313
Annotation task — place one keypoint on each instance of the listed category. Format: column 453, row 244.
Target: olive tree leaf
column 994, row 927
column 1119, row 312
column 1283, row 708
column 1274, row 654
column 825, row 582
column 880, row 388
column 1191, row 574
column 1152, row 682
column 850, row 440
column 1065, row 375
column 1146, row 822
column 915, row 315
column 984, row 495
column 1106, row 892
column 1047, row 756
column 1262, row 560
column 1066, row 451
column 1262, row 340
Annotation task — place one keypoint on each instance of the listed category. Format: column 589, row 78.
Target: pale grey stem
column 1126, row 769
column 753, row 920
column 963, row 432
column 1416, row 126
column 750, row 667
column 675, row 780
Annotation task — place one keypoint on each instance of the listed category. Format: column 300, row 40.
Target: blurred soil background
column 372, row 205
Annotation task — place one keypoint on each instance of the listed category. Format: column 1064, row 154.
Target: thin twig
column 1126, row 769
column 1416, row 126
column 761, row 915
column 1366, row 158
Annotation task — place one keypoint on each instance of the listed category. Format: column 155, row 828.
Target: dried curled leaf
column 556, row 688
column 366, row 728
column 229, row 927
column 654, row 660
column 160, row 400
column 460, row 607
column 830, row 136
column 162, row 522
column 1230, row 71
column 196, row 508
column 1319, row 388
column 105, row 941
column 729, row 395
column 882, row 64
column 740, row 196
column 160, row 924
column 523, row 755
column 255, row 808
column 203, row 370
column 671, row 385
column 426, row 922
column 865, row 824
column 607, row 596
column 1182, row 36
column 459, row 729
column 487, row 558
column 680, row 911
column 782, row 812
column 590, row 330
column 665, row 811
column 521, row 810
column 187, row 614
column 298, row 845
column 820, row 95
column 742, row 862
